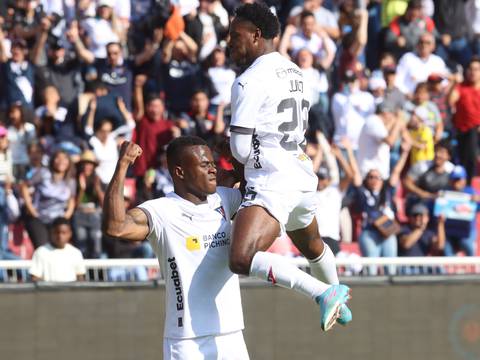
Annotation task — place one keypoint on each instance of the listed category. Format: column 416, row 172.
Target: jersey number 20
column 299, row 111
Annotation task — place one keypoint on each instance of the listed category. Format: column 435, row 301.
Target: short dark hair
column 260, row 16
column 177, row 146
column 61, row 221
column 305, row 13
column 473, row 59
column 444, row 144
column 152, row 97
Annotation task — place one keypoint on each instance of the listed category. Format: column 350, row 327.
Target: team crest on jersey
column 193, row 243
column 221, row 211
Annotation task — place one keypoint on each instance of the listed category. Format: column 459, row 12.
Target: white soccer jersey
column 192, row 244
column 269, row 97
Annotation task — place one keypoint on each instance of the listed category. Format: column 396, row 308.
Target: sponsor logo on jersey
column 218, row 239
column 193, row 243
column 177, row 287
column 283, row 73
column 190, row 217
column 296, row 85
column 256, row 152
column 221, row 211
column 303, row 157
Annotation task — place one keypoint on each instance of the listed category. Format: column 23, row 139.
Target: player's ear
column 178, row 171
column 257, row 35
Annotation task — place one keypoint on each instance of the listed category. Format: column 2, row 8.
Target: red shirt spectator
column 152, row 133
column 468, row 107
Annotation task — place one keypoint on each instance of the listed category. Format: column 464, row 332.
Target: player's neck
column 196, row 199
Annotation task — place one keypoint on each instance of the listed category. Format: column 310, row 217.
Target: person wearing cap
column 377, row 86
column 88, row 212
column 404, row 31
column 438, row 92
column 455, row 243
column 415, row 66
column 378, row 135
column 421, row 136
column 416, row 239
column 18, row 74
column 350, row 109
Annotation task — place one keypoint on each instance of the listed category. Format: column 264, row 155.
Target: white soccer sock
column 277, row 270
column 323, row 267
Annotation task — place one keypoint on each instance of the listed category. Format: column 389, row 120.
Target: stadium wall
column 399, row 320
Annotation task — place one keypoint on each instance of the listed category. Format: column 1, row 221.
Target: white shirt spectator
column 52, row 264
column 100, row 33
column 329, row 202
column 107, row 156
column 373, row 152
column 412, row 70
column 186, row 6
column 323, row 16
column 473, row 14
column 122, row 9
column 315, row 44
column 19, row 141
column 349, row 114
column 208, row 34
column 59, row 115
column 222, row 79
column 315, row 82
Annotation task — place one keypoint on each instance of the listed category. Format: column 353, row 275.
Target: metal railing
column 121, row 270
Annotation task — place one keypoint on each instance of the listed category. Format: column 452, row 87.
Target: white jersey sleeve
column 231, row 199
column 248, row 97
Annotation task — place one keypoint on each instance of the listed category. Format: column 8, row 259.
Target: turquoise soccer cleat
column 331, row 302
column 345, row 315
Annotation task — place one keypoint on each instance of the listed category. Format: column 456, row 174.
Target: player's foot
column 330, row 303
column 345, row 315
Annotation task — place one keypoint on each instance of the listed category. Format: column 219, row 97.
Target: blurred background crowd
column 394, row 89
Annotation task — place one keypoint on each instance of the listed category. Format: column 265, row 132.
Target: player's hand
column 129, row 152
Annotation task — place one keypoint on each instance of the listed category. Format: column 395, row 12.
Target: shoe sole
column 333, row 316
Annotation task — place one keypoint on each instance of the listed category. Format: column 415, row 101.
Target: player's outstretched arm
column 117, row 222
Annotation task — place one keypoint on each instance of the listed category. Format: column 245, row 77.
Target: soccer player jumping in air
column 269, row 119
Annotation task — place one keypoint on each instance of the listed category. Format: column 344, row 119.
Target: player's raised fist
column 129, row 152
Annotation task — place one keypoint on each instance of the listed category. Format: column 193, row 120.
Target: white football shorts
column 294, row 210
column 220, row 347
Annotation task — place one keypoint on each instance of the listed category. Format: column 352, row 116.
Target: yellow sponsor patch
column 193, row 243
column 303, row 157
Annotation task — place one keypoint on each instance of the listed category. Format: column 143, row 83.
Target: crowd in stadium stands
column 394, row 89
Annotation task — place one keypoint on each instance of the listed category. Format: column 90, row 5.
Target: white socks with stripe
column 278, row 270
column 323, row 267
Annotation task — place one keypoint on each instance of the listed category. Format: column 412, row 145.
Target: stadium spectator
column 393, row 97
column 330, row 191
column 88, row 210
column 9, row 213
column 6, row 165
column 153, row 131
column 421, row 137
column 464, row 100
column 308, row 36
column 377, row 136
column 451, row 22
column 53, row 196
column 20, row 135
column 462, row 242
column 58, row 261
column 373, row 199
column 18, row 74
column 221, row 76
column 350, row 109
column 200, row 122
column 427, row 178
column 439, row 92
column 415, row 67
column 416, row 239
column 404, row 31
column 427, row 110
column 324, row 18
